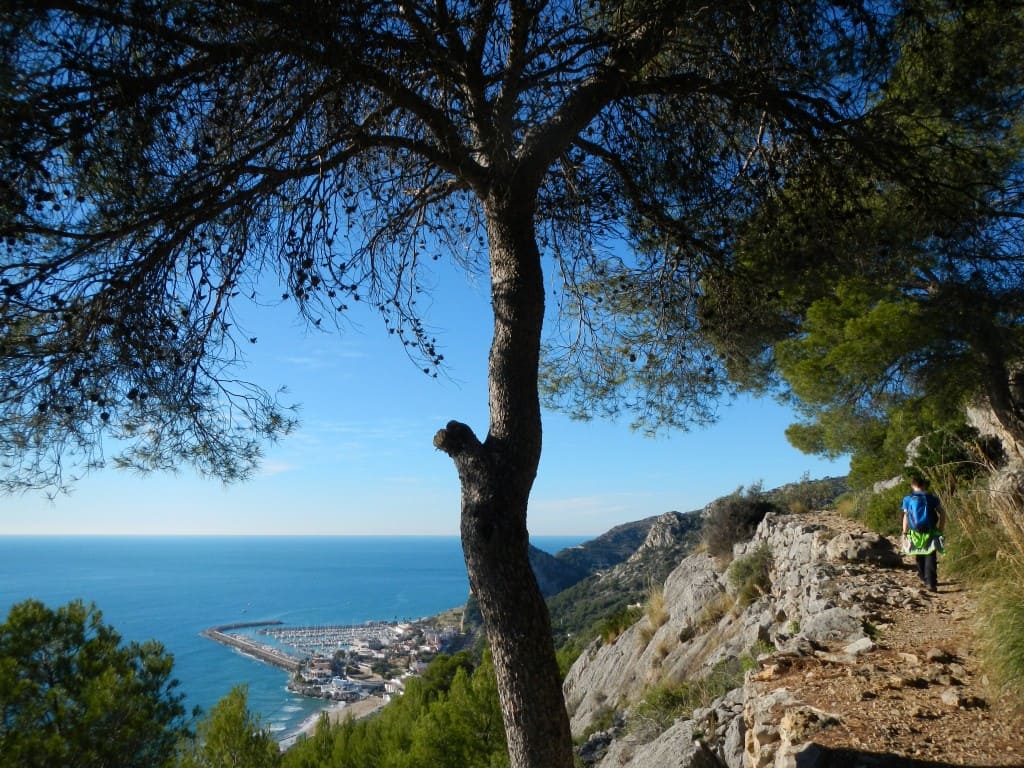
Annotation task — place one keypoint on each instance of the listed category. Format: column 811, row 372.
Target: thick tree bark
column 496, row 478
column 999, row 380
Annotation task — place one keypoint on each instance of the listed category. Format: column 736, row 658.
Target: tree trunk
column 1001, row 389
column 496, row 478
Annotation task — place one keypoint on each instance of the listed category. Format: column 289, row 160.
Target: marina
column 340, row 662
column 327, row 640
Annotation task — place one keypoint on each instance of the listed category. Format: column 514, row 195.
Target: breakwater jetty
column 260, row 651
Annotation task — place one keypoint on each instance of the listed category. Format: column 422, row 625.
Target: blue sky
column 362, row 461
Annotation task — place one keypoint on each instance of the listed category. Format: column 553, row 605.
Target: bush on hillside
column 750, row 575
column 882, row 512
column 450, row 716
column 578, row 612
column 619, row 622
column 230, row 735
column 668, row 702
column 807, row 495
column 734, row 518
column 566, row 656
column 957, row 454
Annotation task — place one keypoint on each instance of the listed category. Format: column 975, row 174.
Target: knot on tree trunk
column 456, row 439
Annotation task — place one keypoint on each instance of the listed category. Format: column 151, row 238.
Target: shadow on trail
column 816, row 756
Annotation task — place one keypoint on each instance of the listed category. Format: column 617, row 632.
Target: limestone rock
column 618, row 673
column 833, row 626
column 865, row 547
column 861, row 646
column 675, row 748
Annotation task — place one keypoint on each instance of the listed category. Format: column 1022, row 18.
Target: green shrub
column 603, row 720
column 750, row 575
column 808, row 495
column 748, row 659
column 452, row 716
column 958, row 451
column 734, row 518
column 663, row 704
column 882, row 512
column 619, row 622
column 566, row 656
column 72, row 692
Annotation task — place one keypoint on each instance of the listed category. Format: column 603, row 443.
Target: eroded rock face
column 678, row 747
column 808, row 609
column 613, row 675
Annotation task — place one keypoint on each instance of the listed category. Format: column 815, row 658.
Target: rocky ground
column 914, row 693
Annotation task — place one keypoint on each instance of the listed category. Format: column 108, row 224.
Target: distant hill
column 554, row 574
column 610, row 548
column 631, row 566
column 590, row 581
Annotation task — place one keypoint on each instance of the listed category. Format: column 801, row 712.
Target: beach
column 336, row 713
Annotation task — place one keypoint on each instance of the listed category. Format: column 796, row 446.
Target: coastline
column 336, row 712
column 171, row 588
column 406, row 638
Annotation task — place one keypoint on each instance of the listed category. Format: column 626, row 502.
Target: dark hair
column 919, row 481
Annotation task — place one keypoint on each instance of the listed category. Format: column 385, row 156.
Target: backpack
column 919, row 516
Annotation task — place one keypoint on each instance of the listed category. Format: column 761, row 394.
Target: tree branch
column 458, row 441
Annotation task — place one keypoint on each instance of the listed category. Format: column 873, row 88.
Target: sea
column 170, row 588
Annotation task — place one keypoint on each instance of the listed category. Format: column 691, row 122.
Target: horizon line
column 151, row 534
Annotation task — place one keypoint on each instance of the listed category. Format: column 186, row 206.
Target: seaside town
column 346, row 663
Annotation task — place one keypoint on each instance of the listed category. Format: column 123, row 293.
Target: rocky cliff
column 847, row 662
column 631, row 566
column 623, row 541
column 639, row 552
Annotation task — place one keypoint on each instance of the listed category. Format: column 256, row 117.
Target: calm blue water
column 171, row 588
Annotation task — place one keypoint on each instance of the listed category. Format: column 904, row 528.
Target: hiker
column 923, row 519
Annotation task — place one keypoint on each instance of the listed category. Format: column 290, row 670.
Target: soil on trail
column 919, row 696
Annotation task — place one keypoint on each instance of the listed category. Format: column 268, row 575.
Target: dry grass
column 713, row 612
column 986, row 541
column 657, row 612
